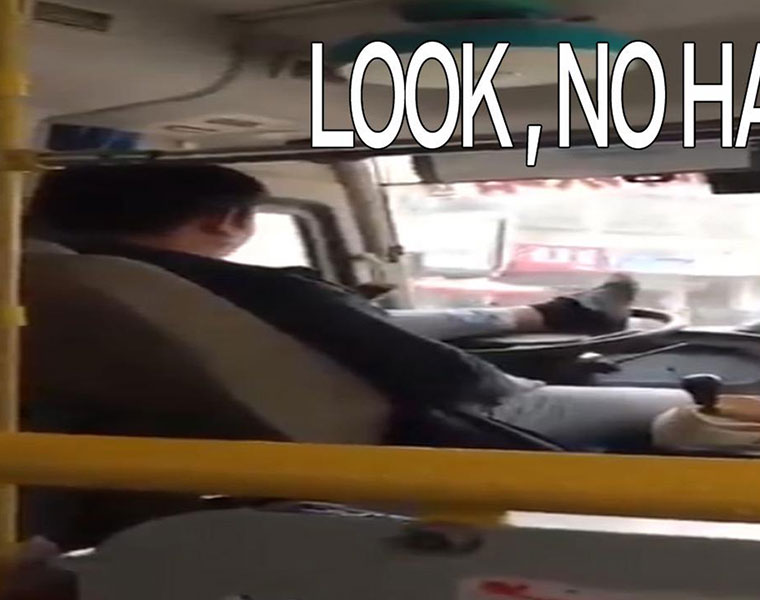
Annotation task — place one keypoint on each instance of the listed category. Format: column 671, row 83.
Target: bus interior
column 229, row 82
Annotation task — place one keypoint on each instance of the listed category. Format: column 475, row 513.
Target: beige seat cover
column 734, row 426
column 115, row 331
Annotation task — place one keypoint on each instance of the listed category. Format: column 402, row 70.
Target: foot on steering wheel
column 600, row 310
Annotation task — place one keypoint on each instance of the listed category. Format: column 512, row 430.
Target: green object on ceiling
column 428, row 11
column 521, row 34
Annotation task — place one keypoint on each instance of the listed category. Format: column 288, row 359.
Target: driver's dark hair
column 137, row 199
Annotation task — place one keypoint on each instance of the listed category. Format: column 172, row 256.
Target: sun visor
column 556, row 163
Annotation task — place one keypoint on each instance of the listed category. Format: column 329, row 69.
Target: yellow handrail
column 12, row 92
column 449, row 482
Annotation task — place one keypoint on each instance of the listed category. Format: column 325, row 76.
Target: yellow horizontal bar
column 474, row 481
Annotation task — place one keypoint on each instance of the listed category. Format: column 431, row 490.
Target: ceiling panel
column 628, row 15
column 154, row 64
column 641, row 15
column 253, row 6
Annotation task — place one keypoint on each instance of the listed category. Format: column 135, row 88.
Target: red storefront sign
column 536, row 258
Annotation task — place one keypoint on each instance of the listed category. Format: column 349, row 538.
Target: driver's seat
column 108, row 333
column 119, row 347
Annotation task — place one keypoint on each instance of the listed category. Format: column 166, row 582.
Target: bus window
column 278, row 242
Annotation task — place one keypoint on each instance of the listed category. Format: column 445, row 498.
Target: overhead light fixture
column 531, row 59
column 217, row 124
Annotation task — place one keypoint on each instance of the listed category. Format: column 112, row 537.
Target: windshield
column 505, row 243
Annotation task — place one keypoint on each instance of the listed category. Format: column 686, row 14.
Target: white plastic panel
column 145, row 55
column 239, row 554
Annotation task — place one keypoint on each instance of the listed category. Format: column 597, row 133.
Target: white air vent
column 235, row 122
column 72, row 16
column 223, row 124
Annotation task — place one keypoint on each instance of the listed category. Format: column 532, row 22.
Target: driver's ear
column 243, row 219
column 228, row 223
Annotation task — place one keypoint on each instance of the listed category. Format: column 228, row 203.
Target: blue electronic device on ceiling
column 71, row 138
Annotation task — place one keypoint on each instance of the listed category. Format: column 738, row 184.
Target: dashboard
column 739, row 369
column 733, row 356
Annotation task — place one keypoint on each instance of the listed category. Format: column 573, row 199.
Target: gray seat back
column 120, row 334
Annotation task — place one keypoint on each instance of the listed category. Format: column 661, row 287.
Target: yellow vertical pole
column 12, row 134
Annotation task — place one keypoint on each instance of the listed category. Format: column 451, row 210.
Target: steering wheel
column 511, row 346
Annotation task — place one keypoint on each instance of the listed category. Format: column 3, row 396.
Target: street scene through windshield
column 505, row 243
